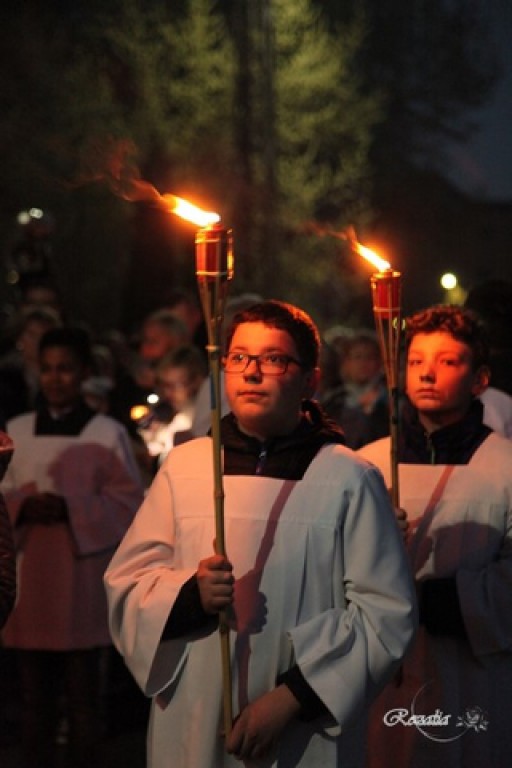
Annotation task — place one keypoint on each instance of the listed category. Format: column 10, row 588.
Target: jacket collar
column 453, row 444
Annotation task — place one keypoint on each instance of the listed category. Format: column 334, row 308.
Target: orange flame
column 349, row 234
column 138, row 412
column 137, row 190
column 190, row 212
column 112, row 161
column 373, row 258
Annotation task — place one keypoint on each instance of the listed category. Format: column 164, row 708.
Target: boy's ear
column 481, row 381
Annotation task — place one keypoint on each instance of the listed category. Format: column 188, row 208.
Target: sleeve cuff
column 311, row 704
column 187, row 614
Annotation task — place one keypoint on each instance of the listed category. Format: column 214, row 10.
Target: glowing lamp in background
column 455, row 293
column 449, row 281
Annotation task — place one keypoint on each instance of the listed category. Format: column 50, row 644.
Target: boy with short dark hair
column 316, row 582
column 456, row 488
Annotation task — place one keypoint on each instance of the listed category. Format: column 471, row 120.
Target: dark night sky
column 483, row 167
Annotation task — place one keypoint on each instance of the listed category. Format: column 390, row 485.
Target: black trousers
column 60, row 686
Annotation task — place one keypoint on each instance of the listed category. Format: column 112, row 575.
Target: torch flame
column 373, row 258
column 138, row 190
column 349, row 234
column 113, row 162
column 190, row 212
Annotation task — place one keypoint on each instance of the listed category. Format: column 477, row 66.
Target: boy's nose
column 253, row 370
column 427, row 372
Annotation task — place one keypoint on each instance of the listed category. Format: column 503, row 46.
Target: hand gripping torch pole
column 387, row 311
column 214, row 269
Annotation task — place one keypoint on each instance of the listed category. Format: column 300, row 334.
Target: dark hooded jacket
column 286, row 457
column 453, row 444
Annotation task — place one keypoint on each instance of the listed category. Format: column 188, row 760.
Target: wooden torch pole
column 214, row 268
column 387, row 311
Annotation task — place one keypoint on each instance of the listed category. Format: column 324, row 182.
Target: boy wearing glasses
column 316, row 584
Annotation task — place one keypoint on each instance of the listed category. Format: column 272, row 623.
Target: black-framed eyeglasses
column 270, row 363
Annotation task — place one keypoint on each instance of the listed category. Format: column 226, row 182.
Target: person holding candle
column 451, row 704
column 315, row 584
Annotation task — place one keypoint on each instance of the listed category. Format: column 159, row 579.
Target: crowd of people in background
column 137, row 395
column 129, row 370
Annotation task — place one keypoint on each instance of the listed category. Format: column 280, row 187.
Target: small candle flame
column 138, row 412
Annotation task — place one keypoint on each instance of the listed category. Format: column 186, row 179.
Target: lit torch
column 386, row 287
column 387, row 293
column 214, row 269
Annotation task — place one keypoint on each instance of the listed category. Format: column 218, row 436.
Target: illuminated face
column 177, row 386
column 267, row 405
column 61, row 377
column 441, row 380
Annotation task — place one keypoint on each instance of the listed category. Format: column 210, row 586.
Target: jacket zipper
column 261, row 460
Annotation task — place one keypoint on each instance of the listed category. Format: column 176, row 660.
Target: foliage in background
column 263, row 112
column 325, row 124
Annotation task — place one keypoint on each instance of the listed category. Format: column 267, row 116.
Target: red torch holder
column 387, row 311
column 214, row 269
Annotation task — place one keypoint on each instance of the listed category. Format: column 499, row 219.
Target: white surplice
column 61, row 600
column 321, row 581
column 461, row 527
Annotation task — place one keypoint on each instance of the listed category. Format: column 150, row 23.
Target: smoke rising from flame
column 349, row 235
column 112, row 162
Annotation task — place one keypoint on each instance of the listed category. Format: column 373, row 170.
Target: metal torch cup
column 387, row 311
column 214, row 269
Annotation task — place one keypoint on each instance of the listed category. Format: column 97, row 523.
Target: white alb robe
column 321, row 581
column 461, row 526
column 61, row 600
